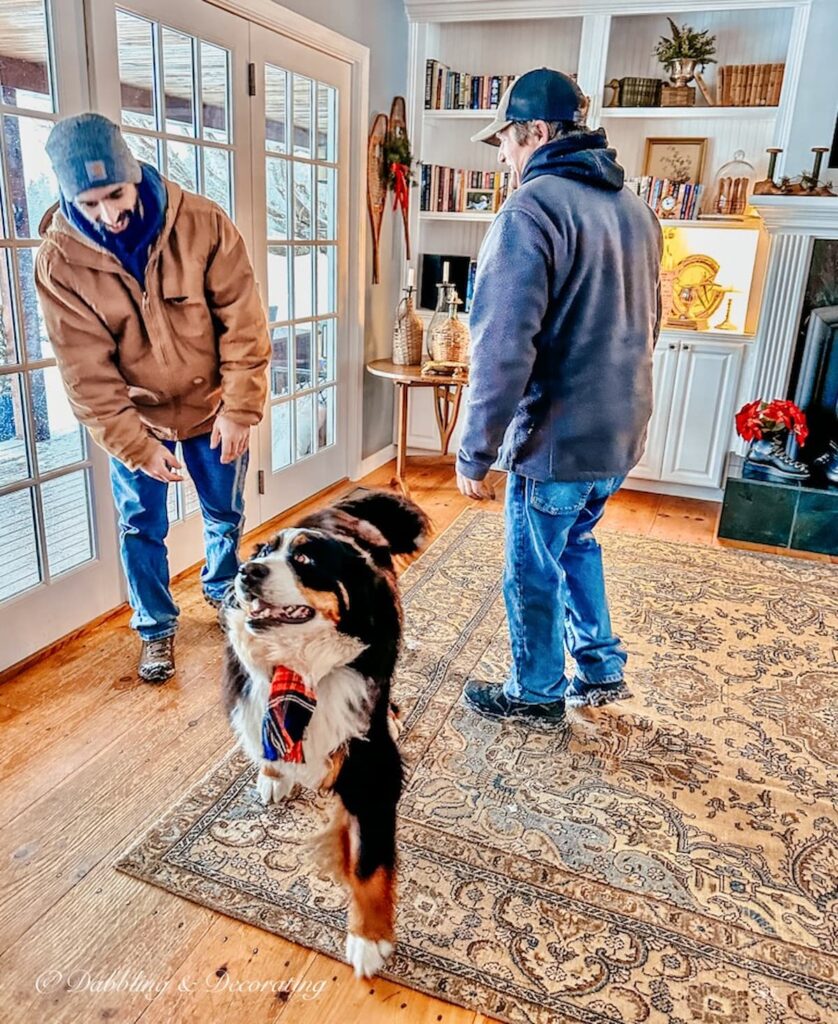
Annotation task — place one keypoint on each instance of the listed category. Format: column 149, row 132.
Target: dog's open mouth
column 261, row 614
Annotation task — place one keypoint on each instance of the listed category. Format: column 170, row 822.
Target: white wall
column 817, row 97
column 382, row 26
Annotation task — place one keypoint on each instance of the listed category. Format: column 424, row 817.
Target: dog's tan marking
column 373, row 906
column 271, row 772
column 330, row 848
column 335, row 764
column 324, row 602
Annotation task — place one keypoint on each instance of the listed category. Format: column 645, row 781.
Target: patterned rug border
column 234, row 771
column 149, row 860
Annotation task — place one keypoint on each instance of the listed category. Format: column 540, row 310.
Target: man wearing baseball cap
column 564, row 319
column 152, row 310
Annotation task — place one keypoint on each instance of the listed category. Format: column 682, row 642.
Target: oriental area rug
column 670, row 858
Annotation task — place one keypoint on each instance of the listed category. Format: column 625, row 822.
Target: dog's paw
column 273, row 791
column 366, row 956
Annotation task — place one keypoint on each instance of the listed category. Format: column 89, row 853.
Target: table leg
column 401, row 440
column 447, row 409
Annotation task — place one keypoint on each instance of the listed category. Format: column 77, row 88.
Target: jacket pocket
column 143, row 396
column 560, row 497
column 189, row 317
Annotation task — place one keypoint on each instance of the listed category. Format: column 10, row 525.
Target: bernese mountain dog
column 314, row 625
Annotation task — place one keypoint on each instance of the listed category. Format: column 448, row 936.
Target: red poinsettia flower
column 748, row 422
column 758, row 418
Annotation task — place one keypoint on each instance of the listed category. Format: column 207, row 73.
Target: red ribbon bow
column 400, row 191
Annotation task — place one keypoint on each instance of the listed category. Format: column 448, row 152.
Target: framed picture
column 679, row 160
column 481, row 200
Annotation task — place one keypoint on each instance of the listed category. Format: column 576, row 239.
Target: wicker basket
column 407, row 333
column 677, row 96
column 449, row 341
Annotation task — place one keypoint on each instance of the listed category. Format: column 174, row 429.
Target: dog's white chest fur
column 342, row 711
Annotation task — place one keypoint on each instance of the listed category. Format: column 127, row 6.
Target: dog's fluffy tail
column 402, row 523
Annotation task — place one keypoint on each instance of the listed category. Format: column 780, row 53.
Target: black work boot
column 767, row 459
column 489, row 700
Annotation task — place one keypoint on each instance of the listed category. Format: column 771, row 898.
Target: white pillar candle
column 445, row 272
column 410, row 277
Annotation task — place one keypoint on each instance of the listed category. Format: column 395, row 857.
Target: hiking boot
column 489, row 700
column 767, row 459
column 157, row 660
column 218, row 604
column 593, row 695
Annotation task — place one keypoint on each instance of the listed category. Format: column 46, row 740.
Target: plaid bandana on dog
column 290, row 707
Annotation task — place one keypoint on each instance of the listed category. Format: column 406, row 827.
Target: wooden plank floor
column 92, row 756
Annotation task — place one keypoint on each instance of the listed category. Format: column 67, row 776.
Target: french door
column 300, row 132
column 58, row 561
column 174, row 76
column 260, row 124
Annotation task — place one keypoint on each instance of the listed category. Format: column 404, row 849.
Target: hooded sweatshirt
column 564, row 320
column 131, row 246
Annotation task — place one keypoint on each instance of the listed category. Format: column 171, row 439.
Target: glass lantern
column 732, row 188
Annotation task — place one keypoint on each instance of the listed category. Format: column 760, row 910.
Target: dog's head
column 331, row 574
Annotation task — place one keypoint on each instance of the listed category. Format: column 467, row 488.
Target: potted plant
column 765, row 425
column 684, row 52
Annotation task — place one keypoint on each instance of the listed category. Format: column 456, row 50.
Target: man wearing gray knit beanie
column 152, row 310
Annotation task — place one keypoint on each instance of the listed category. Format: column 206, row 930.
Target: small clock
column 668, row 204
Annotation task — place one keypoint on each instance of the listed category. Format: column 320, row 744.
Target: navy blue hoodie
column 564, row 321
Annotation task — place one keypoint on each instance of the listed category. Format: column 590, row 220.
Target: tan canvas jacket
column 165, row 361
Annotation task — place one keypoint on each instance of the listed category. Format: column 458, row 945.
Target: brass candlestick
column 766, row 187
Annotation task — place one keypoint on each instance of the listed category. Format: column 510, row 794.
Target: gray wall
column 382, row 26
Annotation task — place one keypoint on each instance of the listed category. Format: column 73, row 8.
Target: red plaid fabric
column 290, row 706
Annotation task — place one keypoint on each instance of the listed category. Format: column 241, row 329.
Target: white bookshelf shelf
column 430, row 215
column 459, row 115
column 689, row 113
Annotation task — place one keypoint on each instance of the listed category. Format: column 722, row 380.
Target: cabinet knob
column 672, row 345
column 686, row 348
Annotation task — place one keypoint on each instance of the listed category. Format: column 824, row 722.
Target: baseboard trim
column 676, row 490
column 374, row 461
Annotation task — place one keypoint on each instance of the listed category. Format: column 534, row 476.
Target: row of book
column 749, row 85
column 455, row 190
column 454, row 90
column 671, row 200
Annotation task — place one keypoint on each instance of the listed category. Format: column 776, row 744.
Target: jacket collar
column 78, row 248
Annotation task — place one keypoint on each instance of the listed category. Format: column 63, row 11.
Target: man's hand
column 477, row 489
column 234, row 438
column 161, row 464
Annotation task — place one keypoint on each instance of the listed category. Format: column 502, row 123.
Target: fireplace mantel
column 799, row 215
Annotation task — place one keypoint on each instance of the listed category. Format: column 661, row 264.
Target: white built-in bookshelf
column 698, row 375
column 597, row 42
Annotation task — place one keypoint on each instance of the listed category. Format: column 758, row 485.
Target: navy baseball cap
column 539, row 95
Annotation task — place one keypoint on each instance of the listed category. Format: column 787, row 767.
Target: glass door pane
column 46, row 522
column 176, row 102
column 300, row 139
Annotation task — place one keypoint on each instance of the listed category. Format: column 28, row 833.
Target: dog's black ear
column 402, row 523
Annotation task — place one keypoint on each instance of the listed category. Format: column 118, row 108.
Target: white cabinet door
column 664, row 363
column 701, row 417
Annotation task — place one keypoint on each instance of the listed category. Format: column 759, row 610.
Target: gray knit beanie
column 88, row 151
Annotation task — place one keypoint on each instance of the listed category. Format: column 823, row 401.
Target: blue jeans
column 554, row 588
column 144, row 522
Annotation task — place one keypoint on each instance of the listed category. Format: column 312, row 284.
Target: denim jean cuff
column 609, row 677
column 524, row 697
column 157, row 634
